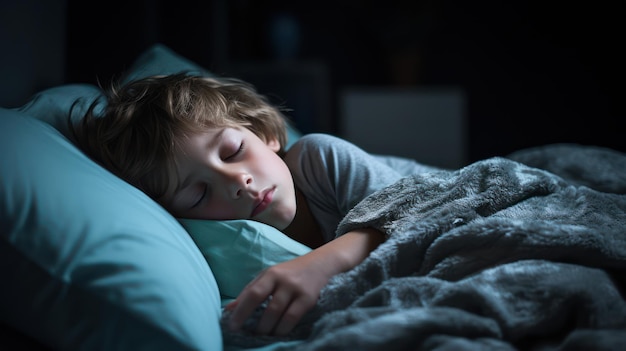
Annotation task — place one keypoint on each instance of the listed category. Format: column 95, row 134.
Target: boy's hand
column 294, row 286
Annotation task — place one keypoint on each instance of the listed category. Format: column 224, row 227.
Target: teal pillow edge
column 159, row 59
column 237, row 250
column 53, row 105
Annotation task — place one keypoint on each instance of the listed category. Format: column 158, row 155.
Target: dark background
column 532, row 72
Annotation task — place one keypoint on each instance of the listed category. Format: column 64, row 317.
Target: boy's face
column 230, row 173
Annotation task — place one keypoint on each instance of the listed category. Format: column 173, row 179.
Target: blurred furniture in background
column 385, row 120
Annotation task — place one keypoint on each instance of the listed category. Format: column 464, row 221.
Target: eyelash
column 239, row 150
column 201, row 197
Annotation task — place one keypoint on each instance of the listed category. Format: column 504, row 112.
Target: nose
column 237, row 183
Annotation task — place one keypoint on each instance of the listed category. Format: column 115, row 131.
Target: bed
column 520, row 252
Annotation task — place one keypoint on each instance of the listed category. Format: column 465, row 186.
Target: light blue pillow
column 238, row 250
column 89, row 262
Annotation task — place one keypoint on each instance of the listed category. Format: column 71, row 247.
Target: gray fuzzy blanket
column 520, row 253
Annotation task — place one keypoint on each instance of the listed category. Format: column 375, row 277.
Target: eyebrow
column 214, row 141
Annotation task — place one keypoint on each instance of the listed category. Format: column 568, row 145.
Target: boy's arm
column 295, row 285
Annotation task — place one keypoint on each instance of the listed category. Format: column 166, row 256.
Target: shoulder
column 317, row 140
column 324, row 156
column 309, row 152
column 319, row 145
column 320, row 150
column 319, row 155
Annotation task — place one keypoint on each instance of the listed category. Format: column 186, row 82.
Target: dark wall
column 533, row 72
column 32, row 44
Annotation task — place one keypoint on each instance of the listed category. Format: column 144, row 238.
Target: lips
column 266, row 200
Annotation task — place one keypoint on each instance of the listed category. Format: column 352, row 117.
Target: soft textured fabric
column 88, row 262
column 334, row 175
column 497, row 255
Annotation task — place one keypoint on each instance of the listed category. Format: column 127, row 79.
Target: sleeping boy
column 208, row 148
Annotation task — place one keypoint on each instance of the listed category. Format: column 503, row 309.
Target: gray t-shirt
column 334, row 175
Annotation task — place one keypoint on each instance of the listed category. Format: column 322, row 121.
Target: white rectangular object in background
column 428, row 125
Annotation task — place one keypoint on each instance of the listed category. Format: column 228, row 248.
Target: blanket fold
column 496, row 255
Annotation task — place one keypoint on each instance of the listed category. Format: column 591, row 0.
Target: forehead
column 192, row 143
column 188, row 147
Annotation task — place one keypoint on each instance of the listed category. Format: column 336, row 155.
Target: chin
column 283, row 225
column 285, row 222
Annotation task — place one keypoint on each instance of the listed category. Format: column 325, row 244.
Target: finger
column 273, row 312
column 231, row 305
column 248, row 300
column 292, row 315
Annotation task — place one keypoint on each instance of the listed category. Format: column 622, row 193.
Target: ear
column 273, row 144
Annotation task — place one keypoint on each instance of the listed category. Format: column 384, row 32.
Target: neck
column 304, row 227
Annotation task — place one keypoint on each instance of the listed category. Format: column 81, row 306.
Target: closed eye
column 236, row 153
column 201, row 197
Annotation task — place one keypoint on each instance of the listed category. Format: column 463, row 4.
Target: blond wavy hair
column 142, row 123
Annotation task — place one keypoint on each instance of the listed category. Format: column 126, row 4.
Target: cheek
column 219, row 210
column 274, row 164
